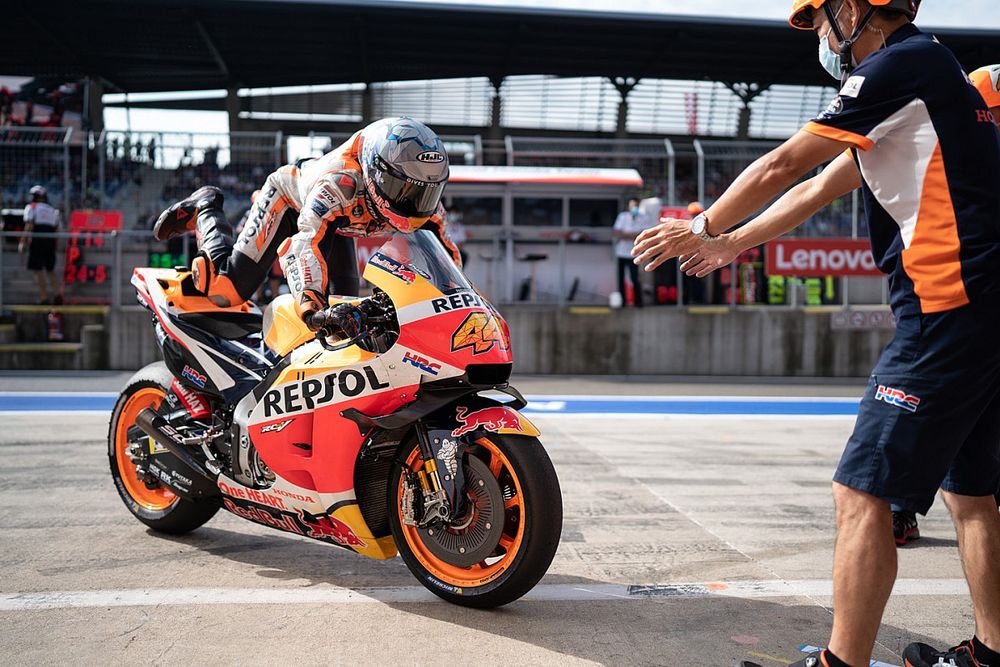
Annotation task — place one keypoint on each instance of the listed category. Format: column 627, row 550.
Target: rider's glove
column 345, row 320
column 310, row 302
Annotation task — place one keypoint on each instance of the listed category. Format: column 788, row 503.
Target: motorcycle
column 393, row 441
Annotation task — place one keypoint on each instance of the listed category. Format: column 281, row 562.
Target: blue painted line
column 538, row 405
column 56, row 402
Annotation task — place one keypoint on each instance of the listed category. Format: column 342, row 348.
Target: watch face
column 698, row 225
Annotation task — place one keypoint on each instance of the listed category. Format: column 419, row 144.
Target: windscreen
column 422, row 253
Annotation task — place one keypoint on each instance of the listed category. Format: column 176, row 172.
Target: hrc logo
column 424, row 364
column 900, row 399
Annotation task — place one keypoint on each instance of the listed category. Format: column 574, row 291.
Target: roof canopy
column 160, row 45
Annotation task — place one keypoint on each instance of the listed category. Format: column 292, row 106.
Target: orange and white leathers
column 296, row 216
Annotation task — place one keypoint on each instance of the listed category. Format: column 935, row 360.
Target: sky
column 940, row 13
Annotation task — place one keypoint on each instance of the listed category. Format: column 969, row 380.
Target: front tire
column 523, row 493
column 154, row 505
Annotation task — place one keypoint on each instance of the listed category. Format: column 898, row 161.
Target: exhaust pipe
column 157, row 428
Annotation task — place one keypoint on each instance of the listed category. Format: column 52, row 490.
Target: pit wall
column 651, row 341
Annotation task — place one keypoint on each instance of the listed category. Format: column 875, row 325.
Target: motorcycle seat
column 225, row 324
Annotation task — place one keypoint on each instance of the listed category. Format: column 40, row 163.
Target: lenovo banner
column 810, row 258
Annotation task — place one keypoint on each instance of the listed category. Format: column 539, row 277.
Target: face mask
column 635, row 210
column 828, row 59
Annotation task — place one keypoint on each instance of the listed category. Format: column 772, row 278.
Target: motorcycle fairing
column 332, row 518
column 199, row 359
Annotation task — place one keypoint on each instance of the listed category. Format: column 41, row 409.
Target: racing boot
column 970, row 653
column 181, row 217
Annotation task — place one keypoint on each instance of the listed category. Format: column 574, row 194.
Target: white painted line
column 32, row 601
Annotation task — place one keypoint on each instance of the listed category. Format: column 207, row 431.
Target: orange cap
column 802, row 10
column 987, row 82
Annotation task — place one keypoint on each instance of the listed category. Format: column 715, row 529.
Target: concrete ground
column 726, row 522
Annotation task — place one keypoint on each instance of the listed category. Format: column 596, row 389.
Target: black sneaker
column 812, row 660
column 922, row 655
column 904, row 527
column 181, row 217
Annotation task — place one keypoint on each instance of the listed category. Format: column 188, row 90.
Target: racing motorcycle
column 393, row 441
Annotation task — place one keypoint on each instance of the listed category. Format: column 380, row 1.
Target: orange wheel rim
column 510, row 541
column 152, row 499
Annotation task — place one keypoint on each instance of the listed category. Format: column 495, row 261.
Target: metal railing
column 139, row 173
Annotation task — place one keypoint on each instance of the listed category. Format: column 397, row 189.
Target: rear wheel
column 506, row 541
column 148, row 500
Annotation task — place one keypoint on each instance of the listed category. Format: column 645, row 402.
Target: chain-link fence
column 36, row 156
column 143, row 172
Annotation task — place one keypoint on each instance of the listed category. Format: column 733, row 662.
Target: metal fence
column 139, row 173
column 36, row 156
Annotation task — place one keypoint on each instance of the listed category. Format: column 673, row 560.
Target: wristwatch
column 699, row 227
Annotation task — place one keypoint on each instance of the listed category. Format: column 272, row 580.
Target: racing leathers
column 305, row 215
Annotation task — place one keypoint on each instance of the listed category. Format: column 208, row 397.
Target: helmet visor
column 405, row 196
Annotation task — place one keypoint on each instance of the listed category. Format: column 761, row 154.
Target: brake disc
column 473, row 538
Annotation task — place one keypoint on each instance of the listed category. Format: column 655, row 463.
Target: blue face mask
column 634, row 210
column 828, row 59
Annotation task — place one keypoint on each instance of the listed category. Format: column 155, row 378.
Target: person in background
column 41, row 218
column 629, row 224
column 987, row 82
column 456, row 232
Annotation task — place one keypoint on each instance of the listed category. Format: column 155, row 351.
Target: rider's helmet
column 987, row 82
column 405, row 168
column 802, row 10
column 38, row 193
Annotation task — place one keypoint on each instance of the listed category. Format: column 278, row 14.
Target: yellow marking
column 589, row 310
column 75, row 310
column 708, row 310
column 772, row 658
column 821, row 310
column 61, row 348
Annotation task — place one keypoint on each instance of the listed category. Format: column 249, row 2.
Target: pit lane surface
column 688, row 540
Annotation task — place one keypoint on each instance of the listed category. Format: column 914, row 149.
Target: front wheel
column 506, row 541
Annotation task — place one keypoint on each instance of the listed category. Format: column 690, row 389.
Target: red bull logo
column 328, row 528
column 492, row 419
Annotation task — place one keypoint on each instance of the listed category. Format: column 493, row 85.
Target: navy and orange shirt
column 929, row 156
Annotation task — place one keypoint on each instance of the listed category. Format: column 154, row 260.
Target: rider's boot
column 181, row 217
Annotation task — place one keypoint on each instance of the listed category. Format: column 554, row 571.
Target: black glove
column 345, row 320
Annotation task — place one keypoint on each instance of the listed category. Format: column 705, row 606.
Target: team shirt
column 44, row 217
column 929, row 156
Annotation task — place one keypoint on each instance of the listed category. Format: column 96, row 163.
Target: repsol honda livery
column 381, row 443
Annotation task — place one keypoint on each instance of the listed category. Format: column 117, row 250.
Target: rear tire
column 156, row 507
column 530, row 507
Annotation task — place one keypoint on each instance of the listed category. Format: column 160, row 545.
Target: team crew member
column 388, row 177
column 987, row 82
column 924, row 149
column 41, row 221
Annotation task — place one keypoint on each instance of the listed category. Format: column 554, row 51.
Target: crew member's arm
column 761, row 182
column 436, row 224
column 800, row 203
column 303, row 256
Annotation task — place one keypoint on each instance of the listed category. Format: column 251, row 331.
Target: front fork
column 441, row 481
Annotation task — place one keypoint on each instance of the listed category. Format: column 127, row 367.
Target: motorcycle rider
column 388, row 177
